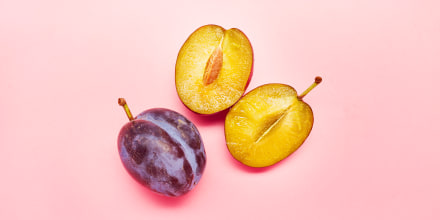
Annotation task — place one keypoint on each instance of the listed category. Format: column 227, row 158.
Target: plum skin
column 162, row 150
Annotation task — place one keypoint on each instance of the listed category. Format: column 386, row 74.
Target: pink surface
column 373, row 152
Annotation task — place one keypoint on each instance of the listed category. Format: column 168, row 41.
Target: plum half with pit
column 162, row 150
column 213, row 69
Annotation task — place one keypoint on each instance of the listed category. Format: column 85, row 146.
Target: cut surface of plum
column 268, row 124
column 213, row 68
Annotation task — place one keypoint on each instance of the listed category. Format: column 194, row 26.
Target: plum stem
column 318, row 80
column 123, row 103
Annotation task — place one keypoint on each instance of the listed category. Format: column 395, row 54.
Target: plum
column 268, row 124
column 162, row 150
column 213, row 69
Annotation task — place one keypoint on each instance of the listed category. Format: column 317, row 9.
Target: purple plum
column 162, row 150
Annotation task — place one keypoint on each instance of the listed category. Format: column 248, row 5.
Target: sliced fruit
column 213, row 68
column 268, row 124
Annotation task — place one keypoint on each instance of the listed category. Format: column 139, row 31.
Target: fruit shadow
column 162, row 200
column 206, row 120
column 237, row 164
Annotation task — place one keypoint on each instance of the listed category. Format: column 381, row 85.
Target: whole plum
column 162, row 150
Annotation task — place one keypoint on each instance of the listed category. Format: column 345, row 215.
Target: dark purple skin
column 163, row 150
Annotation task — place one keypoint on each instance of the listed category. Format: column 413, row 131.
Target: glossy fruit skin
column 163, row 150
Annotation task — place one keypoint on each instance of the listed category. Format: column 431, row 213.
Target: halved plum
column 213, row 69
column 268, row 124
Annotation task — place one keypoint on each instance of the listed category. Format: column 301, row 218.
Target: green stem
column 318, row 80
column 123, row 103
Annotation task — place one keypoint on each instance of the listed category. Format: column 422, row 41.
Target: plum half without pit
column 213, row 69
column 162, row 150
column 268, row 124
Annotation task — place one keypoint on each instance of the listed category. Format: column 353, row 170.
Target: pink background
column 373, row 152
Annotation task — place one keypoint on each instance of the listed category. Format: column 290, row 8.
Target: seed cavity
column 271, row 123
